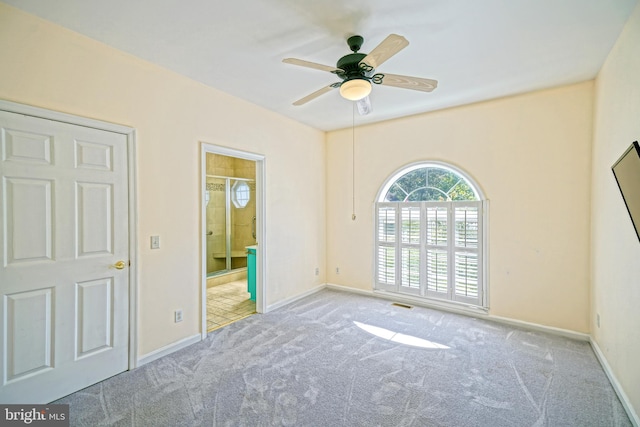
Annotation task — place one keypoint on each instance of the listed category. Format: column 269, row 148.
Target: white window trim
column 431, row 163
column 484, row 253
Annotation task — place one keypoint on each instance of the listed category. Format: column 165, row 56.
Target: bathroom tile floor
column 228, row 303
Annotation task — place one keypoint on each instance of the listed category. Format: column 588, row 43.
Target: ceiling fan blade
column 314, row 95
column 364, row 106
column 303, row 63
column 385, row 50
column 407, row 82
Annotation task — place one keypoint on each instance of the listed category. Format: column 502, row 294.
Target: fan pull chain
column 353, row 160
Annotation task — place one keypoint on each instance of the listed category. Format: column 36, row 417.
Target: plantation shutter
column 430, row 249
column 466, row 250
column 386, row 218
column 437, row 256
column 410, row 239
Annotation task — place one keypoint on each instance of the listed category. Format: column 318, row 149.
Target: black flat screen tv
column 627, row 173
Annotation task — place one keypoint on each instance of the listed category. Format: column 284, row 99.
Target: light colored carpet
column 337, row 359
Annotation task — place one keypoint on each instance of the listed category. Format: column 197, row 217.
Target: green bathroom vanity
column 251, row 271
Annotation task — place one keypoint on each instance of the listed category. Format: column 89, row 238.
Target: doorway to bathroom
column 231, row 226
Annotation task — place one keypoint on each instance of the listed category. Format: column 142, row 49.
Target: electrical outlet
column 337, row 270
column 178, row 316
column 317, row 271
column 155, row 242
column 598, row 319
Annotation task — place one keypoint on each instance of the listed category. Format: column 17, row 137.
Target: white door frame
column 130, row 134
column 260, row 222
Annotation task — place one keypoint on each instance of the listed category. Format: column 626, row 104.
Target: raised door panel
column 94, row 213
column 28, row 207
column 94, row 316
column 93, row 155
column 29, row 329
column 25, row 147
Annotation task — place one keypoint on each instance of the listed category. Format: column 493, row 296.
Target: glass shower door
column 243, row 212
column 216, row 225
column 231, row 221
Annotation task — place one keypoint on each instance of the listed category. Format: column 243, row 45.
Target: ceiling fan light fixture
column 355, row 89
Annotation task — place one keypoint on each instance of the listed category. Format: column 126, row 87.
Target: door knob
column 119, row 265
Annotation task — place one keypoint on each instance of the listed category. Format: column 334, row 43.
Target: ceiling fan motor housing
column 350, row 64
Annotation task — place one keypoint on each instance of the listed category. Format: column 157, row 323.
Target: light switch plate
column 155, row 242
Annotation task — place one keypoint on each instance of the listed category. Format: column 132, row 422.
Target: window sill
column 456, row 307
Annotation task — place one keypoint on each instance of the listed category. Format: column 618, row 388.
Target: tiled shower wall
column 242, row 218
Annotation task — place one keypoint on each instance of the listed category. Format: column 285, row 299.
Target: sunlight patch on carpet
column 400, row 338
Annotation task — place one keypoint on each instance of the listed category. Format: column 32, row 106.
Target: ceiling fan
column 358, row 71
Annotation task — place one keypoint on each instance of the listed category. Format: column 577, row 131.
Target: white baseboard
column 287, row 301
column 635, row 420
column 348, row 289
column 168, row 349
column 542, row 328
column 464, row 310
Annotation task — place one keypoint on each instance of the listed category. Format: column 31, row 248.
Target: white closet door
column 64, row 226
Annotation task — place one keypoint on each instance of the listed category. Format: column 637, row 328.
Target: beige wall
column 531, row 156
column 615, row 255
column 47, row 66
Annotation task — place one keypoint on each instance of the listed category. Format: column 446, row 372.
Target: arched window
column 429, row 235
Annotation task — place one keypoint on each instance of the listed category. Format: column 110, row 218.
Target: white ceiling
column 476, row 49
